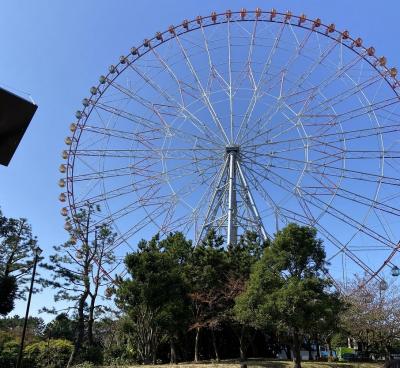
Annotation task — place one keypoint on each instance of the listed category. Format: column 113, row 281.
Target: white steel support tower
column 232, row 207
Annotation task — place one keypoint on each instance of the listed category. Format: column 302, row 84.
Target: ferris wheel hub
column 232, row 148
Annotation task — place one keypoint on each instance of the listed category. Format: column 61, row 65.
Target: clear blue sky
column 55, row 50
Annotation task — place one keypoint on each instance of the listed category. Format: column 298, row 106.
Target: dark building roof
column 15, row 115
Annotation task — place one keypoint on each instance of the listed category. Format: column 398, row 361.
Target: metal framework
column 244, row 121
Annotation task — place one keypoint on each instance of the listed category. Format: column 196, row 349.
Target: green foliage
column 13, row 325
column 61, row 327
column 155, row 297
column 9, row 348
column 9, row 289
column 208, row 264
column 78, row 274
column 53, row 353
column 16, row 259
column 92, row 353
column 339, row 339
column 119, row 342
column 372, row 318
column 288, row 289
column 242, row 256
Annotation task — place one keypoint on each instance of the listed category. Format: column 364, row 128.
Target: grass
column 270, row 364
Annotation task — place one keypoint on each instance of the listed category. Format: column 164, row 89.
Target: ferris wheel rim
column 186, row 27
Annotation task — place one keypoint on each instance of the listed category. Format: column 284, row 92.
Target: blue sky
column 56, row 50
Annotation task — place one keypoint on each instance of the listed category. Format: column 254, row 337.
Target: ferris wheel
column 244, row 121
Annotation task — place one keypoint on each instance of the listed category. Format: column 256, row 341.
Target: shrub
column 48, row 354
column 92, row 354
column 84, row 365
column 9, row 353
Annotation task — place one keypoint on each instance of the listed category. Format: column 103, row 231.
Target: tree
column 288, row 289
column 207, row 274
column 373, row 315
column 155, row 297
column 13, row 326
column 16, row 260
column 78, row 271
column 61, row 327
column 9, row 288
column 241, row 259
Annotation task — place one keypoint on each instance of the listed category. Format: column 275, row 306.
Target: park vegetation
column 179, row 303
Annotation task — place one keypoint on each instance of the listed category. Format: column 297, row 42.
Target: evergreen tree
column 207, row 274
column 17, row 246
column 288, row 288
column 241, row 259
column 77, row 268
column 155, row 297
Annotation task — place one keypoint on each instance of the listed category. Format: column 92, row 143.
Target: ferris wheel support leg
column 232, row 210
column 251, row 204
column 210, row 216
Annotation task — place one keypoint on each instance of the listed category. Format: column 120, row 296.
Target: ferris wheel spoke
column 282, row 98
column 329, row 119
column 141, row 153
column 114, row 193
column 330, row 209
column 348, row 173
column 199, row 125
column 250, row 55
column 265, row 70
column 148, row 124
column 293, row 188
column 288, row 214
column 346, row 135
column 335, row 154
column 112, row 173
column 258, row 187
column 147, row 137
column 147, row 199
column 346, row 94
column 203, row 93
column 121, row 134
column 272, row 109
column 314, row 65
column 298, row 83
column 151, row 106
column 366, row 177
column 343, row 249
column 336, row 190
column 146, row 181
column 230, row 80
column 341, row 71
column 140, row 224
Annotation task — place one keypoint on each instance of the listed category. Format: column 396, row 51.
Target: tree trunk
column 91, row 320
column 318, row 353
column 288, row 352
column 296, row 349
column 81, row 304
column 81, row 331
column 330, row 349
column 93, row 298
column 241, row 345
column 196, row 345
column 309, row 346
column 173, row 352
column 387, row 354
column 214, row 342
column 242, row 353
